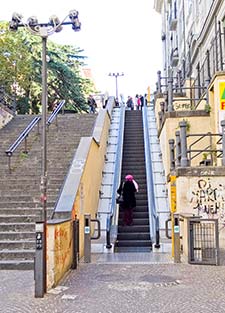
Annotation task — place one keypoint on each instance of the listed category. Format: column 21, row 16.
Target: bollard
column 75, row 243
column 176, row 238
column 87, row 238
column 39, row 272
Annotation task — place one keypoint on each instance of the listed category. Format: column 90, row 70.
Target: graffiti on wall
column 208, row 200
column 182, row 106
column 63, row 244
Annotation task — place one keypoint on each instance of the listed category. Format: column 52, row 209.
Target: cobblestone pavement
column 123, row 286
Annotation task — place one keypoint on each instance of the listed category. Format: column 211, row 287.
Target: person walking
column 130, row 103
column 128, row 188
column 92, row 104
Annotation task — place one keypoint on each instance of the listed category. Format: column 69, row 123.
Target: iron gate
column 203, row 241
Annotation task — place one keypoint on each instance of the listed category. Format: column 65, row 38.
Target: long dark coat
column 128, row 190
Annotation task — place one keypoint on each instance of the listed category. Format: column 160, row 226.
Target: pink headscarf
column 129, row 178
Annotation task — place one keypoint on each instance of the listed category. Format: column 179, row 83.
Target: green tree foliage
column 20, row 71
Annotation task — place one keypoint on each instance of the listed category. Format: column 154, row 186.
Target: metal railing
column 54, row 114
column 153, row 216
column 22, row 137
column 111, row 218
column 182, row 153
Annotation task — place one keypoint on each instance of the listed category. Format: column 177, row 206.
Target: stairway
column 20, row 205
column 136, row 237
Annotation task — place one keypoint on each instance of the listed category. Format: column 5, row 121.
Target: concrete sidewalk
column 123, row 283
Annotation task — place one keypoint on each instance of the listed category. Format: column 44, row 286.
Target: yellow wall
column 88, row 196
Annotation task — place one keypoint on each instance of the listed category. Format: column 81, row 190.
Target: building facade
column 190, row 108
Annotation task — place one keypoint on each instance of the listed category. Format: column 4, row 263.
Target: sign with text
column 173, row 193
column 222, row 95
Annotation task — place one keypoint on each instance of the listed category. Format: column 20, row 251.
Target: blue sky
column 117, row 36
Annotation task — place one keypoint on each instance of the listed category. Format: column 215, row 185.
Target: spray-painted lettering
column 209, row 200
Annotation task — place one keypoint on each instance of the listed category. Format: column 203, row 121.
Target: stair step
column 17, row 218
column 137, row 215
column 134, row 243
column 137, row 221
column 17, row 264
column 17, row 244
column 22, row 204
column 15, row 235
column 133, row 228
column 21, row 254
column 133, row 236
column 17, row 227
column 133, row 249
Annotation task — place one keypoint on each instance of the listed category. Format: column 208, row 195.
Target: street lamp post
column 43, row 30
column 116, row 75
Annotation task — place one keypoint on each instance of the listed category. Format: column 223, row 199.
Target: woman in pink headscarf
column 128, row 188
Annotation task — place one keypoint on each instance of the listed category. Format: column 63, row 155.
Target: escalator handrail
column 154, row 219
column 117, row 175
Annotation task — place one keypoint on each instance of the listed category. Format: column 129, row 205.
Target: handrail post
column 75, row 243
column 178, row 149
column 38, row 127
column 172, row 154
column 170, row 91
column 157, row 233
column 179, row 80
column 25, row 143
column 223, row 141
column 159, row 82
column 108, row 241
column 9, row 163
column 183, row 141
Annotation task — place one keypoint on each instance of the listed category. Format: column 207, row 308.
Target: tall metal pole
column 44, row 149
column 43, row 30
column 116, row 75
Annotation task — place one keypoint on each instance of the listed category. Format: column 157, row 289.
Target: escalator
column 134, row 238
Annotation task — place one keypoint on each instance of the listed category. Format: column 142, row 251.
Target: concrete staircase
column 135, row 237
column 20, row 205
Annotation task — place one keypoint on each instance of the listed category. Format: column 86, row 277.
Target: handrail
column 154, row 219
column 21, row 137
column 55, row 112
column 116, row 178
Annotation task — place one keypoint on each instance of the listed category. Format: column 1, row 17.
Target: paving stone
column 137, row 285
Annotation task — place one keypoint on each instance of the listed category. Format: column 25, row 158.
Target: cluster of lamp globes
column 54, row 23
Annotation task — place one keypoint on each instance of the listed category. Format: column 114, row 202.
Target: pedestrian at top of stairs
column 128, row 188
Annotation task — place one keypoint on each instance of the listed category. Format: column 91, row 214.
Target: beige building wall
column 198, row 125
column 203, row 195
